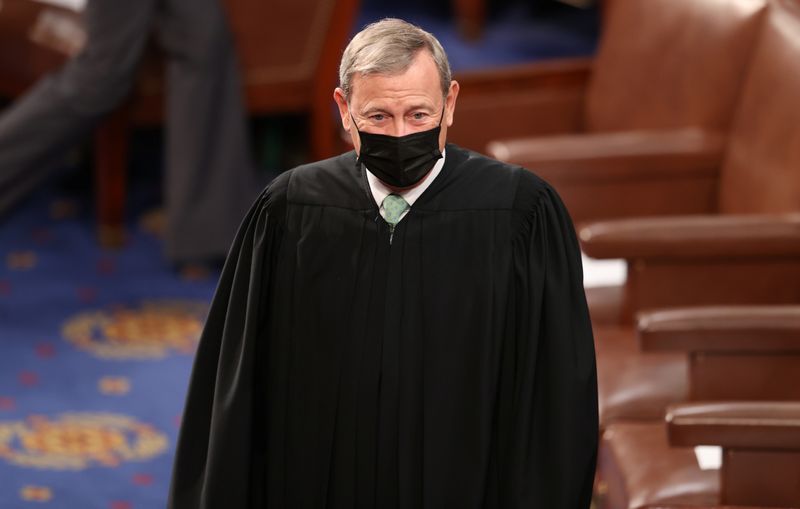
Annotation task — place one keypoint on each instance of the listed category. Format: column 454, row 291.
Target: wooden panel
column 591, row 201
column 524, row 100
column 280, row 41
column 745, row 376
column 656, row 284
column 760, row 478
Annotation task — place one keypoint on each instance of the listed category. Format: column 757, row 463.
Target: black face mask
column 400, row 161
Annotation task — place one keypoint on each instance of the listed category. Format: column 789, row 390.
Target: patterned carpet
column 96, row 353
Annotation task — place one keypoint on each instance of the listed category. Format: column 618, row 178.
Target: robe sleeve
column 550, row 426
column 215, row 459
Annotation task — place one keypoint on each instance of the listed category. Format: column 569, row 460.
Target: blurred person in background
column 209, row 175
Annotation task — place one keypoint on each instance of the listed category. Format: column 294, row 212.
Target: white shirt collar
column 380, row 191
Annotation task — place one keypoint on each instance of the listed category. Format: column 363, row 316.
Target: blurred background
column 133, row 138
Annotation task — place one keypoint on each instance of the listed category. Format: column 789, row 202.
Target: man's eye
column 418, row 116
column 378, row 117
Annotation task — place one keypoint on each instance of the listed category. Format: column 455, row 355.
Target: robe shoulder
column 334, row 182
column 330, row 182
column 480, row 182
column 469, row 181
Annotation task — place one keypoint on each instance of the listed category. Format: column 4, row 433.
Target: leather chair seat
column 632, row 384
column 639, row 467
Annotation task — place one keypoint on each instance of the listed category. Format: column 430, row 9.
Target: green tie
column 393, row 207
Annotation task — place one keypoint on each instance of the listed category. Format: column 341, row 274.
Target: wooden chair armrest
column 721, row 329
column 616, row 156
column 703, row 236
column 749, row 425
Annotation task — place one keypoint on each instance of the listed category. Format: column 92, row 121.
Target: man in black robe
column 399, row 327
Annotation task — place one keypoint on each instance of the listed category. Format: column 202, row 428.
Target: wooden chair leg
column 111, row 155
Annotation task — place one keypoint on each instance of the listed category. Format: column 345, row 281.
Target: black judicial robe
column 452, row 368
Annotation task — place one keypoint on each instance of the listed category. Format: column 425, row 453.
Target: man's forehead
column 420, row 79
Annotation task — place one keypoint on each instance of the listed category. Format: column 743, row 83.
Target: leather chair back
column 288, row 47
column 671, row 63
column 761, row 172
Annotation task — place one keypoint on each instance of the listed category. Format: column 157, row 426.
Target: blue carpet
column 515, row 33
column 96, row 352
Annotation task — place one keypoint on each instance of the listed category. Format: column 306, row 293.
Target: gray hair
column 389, row 47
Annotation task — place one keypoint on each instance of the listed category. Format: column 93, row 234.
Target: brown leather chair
column 699, row 171
column 734, row 354
column 749, row 253
column 745, row 248
column 650, row 464
column 645, row 134
column 707, row 344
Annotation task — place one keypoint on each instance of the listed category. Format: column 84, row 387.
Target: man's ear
column 450, row 102
column 344, row 110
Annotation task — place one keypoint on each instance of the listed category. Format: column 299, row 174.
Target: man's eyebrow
column 422, row 106
column 413, row 107
column 372, row 110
